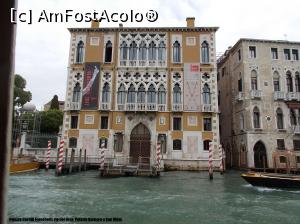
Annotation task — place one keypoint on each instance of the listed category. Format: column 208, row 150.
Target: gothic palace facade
column 132, row 88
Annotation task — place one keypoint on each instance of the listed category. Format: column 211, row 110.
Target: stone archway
column 140, row 142
column 260, row 155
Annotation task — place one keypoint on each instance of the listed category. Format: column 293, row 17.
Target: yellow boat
column 23, row 164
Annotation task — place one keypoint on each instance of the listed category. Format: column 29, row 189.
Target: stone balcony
column 143, row 63
column 295, row 129
column 278, row 95
column 177, row 107
column 142, row 107
column 105, row 106
column 293, row 96
column 75, row 105
column 255, row 94
column 240, row 96
column 207, row 108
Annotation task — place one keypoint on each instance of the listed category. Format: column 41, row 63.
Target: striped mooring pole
column 102, row 155
column 221, row 159
column 48, row 155
column 158, row 156
column 60, row 156
column 210, row 161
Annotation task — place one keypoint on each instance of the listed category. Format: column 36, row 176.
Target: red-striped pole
column 210, row 161
column 48, row 155
column 158, row 156
column 221, row 159
column 60, row 156
column 102, row 155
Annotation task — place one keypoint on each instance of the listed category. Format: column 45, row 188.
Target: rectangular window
column 72, row 142
column 239, row 54
column 74, row 122
column 296, row 145
column 280, row 144
column 206, row 145
column 207, row 124
column 298, row 159
column 104, row 122
column 118, row 142
column 252, row 51
column 104, row 142
column 274, row 53
column 295, row 55
column 177, row 144
column 287, row 55
column 176, row 123
column 240, row 85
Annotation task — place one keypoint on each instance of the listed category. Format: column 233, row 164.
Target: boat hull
column 272, row 181
column 23, row 167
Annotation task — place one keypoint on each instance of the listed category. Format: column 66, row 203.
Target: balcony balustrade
column 255, row 94
column 279, row 95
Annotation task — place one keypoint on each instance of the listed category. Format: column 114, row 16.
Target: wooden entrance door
column 139, row 143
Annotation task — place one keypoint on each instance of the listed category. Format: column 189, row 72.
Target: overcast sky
column 42, row 48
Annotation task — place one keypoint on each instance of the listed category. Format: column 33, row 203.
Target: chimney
column 190, row 22
column 95, row 24
column 120, row 25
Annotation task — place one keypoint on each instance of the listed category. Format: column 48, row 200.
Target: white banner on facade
column 192, row 90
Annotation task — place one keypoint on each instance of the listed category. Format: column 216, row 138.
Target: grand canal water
column 175, row 197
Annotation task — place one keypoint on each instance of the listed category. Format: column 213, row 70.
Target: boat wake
column 266, row 189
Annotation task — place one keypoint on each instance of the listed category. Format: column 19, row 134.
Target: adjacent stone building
column 133, row 88
column 259, row 95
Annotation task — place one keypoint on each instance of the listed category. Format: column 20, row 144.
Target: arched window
column 206, row 145
column 289, row 82
column 279, row 117
column 161, row 95
column 205, row 52
column 253, row 80
column 121, row 95
column 142, row 51
column 293, row 118
column 123, row 51
column 176, row 94
column 105, row 93
column 76, row 93
column 151, row 94
column 141, row 94
column 276, row 81
column 206, row 94
column 152, row 51
column 256, row 118
column 177, row 144
column 133, row 51
column 80, row 51
column 131, row 94
column 176, row 52
column 72, row 142
column 297, row 81
column 161, row 51
column 108, row 51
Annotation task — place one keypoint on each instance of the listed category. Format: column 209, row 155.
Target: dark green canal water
column 175, row 197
